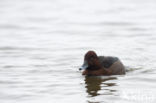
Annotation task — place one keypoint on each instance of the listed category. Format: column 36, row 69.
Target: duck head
column 91, row 61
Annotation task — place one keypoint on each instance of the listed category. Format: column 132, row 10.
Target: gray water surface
column 43, row 42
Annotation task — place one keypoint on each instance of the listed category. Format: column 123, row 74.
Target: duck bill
column 84, row 66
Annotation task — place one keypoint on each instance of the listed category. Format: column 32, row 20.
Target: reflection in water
column 93, row 102
column 93, row 84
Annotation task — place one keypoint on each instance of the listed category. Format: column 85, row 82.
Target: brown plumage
column 101, row 65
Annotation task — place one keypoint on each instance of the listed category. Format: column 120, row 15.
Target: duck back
column 107, row 61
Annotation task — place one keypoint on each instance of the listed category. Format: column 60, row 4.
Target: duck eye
column 92, row 57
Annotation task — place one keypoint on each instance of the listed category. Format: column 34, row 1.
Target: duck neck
column 96, row 66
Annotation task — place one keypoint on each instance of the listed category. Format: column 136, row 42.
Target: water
column 43, row 43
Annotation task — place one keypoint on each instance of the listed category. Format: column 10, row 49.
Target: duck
column 101, row 65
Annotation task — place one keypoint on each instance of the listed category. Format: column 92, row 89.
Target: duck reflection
column 93, row 84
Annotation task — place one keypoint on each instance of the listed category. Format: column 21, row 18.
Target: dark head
column 91, row 61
